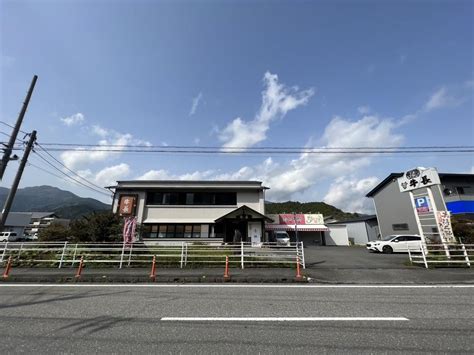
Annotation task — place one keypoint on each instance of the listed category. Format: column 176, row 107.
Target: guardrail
column 442, row 254
column 182, row 254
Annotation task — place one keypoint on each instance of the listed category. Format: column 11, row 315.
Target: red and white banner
column 129, row 227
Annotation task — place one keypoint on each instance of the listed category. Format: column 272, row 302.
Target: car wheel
column 387, row 249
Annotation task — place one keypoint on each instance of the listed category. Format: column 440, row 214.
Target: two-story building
column 394, row 209
column 183, row 210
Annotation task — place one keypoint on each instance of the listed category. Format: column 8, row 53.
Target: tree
column 97, row 227
column 464, row 229
column 55, row 232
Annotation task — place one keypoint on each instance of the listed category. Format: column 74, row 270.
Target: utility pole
column 16, row 182
column 9, row 147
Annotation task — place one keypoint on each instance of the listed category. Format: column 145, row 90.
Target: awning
column 300, row 228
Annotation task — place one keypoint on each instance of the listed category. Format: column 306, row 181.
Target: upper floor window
column 191, row 198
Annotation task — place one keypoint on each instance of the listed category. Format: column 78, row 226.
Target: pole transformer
column 16, row 182
column 9, row 147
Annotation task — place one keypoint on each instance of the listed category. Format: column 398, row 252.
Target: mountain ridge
column 47, row 198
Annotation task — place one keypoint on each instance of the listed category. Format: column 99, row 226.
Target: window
column 172, row 231
column 400, row 226
column 191, row 198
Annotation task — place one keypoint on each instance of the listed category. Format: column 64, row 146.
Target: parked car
column 395, row 244
column 282, row 238
column 9, row 237
column 31, row 237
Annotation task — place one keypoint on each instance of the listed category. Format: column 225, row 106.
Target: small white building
column 198, row 210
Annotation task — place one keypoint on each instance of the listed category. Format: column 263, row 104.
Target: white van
column 8, row 237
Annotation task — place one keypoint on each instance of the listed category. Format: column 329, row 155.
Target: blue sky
column 245, row 73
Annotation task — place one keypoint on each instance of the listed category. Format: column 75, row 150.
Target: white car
column 395, row 244
column 9, row 237
column 282, row 238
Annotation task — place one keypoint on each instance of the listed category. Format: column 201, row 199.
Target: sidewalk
column 413, row 275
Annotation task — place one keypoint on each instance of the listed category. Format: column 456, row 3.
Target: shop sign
column 127, row 205
column 418, row 178
column 316, row 218
column 290, row 219
column 445, row 228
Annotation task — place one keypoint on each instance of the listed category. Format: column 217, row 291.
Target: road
column 310, row 319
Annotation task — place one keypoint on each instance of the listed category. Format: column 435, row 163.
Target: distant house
column 17, row 222
column 360, row 230
column 41, row 220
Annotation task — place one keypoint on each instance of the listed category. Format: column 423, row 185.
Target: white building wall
column 358, row 232
column 252, row 199
column 337, row 235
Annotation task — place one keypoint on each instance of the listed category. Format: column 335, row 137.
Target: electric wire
column 68, row 169
column 67, row 175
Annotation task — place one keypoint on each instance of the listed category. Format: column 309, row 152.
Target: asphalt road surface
column 230, row 319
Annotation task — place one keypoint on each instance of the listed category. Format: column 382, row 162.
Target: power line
column 68, row 176
column 70, row 170
column 11, row 126
column 308, row 151
column 144, row 146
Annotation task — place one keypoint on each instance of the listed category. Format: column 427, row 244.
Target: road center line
column 279, row 319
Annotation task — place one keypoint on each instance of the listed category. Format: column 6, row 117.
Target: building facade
column 394, row 209
column 198, row 210
column 310, row 227
column 41, row 220
column 360, row 230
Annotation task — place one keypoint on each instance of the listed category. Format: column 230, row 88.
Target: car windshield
column 386, row 239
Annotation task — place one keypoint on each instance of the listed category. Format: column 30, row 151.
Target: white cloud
column 166, row 175
column 472, row 170
column 197, row 140
column 349, row 194
column 109, row 148
column 77, row 118
column 364, row 110
column 107, row 176
column 99, row 131
column 277, row 101
column 441, row 99
column 308, row 170
column 195, row 104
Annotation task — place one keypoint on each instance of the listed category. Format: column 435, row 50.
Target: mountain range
column 51, row 199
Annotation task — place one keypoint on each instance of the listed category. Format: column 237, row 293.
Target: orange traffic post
column 298, row 271
column 79, row 268
column 153, row 269
column 7, row 268
column 226, row 271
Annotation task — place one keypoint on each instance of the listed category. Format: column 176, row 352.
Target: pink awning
column 300, row 228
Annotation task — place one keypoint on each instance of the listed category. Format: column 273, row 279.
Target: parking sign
column 422, row 204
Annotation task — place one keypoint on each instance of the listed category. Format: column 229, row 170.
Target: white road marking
column 279, row 319
column 230, row 286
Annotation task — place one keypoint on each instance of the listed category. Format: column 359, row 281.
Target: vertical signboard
column 127, row 205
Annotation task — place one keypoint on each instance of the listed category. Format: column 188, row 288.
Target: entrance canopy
column 299, row 228
column 244, row 213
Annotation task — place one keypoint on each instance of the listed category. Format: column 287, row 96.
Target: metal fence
column 181, row 254
column 442, row 254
